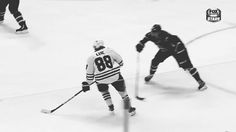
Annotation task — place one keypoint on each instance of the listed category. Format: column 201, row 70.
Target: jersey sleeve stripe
column 121, row 63
column 89, row 78
column 90, row 74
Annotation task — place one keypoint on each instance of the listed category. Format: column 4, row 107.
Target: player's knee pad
column 119, row 85
column 102, row 87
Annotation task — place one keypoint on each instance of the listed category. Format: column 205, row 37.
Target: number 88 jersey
column 104, row 66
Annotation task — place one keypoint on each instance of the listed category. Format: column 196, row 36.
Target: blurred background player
column 169, row 45
column 104, row 65
column 13, row 8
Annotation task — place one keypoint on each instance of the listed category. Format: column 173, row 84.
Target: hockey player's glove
column 139, row 47
column 85, row 86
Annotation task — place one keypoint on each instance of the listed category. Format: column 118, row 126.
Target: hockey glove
column 85, row 86
column 139, row 47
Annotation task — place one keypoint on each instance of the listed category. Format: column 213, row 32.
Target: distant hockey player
column 13, row 8
column 104, row 66
column 169, row 45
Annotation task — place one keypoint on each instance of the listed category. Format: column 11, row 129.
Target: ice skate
column 111, row 107
column 202, row 86
column 148, row 78
column 22, row 29
column 132, row 111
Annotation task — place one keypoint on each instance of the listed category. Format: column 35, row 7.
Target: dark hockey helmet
column 156, row 28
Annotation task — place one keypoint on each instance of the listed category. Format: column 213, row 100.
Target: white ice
column 44, row 68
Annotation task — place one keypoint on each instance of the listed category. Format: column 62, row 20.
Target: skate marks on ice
column 221, row 76
column 4, row 28
column 210, row 33
column 99, row 118
column 226, row 90
column 29, row 40
column 179, row 84
column 153, row 89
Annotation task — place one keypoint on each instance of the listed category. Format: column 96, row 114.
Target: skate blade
column 203, row 88
column 22, row 32
column 132, row 113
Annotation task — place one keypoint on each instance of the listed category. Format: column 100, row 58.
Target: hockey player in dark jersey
column 169, row 45
column 13, row 8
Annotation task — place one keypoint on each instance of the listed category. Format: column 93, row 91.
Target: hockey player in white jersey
column 104, row 66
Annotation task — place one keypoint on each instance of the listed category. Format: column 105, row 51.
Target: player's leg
column 159, row 57
column 13, row 7
column 3, row 4
column 103, row 88
column 184, row 62
column 119, row 85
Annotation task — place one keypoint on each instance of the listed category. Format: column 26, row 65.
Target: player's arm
column 90, row 70
column 141, row 44
column 117, row 58
column 89, row 74
column 145, row 39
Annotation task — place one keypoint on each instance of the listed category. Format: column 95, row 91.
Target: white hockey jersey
column 103, row 66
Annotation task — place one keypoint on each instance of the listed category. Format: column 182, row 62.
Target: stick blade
column 139, row 98
column 46, row 111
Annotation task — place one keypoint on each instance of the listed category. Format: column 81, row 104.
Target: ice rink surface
column 44, row 68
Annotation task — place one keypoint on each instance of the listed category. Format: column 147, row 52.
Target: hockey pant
column 181, row 56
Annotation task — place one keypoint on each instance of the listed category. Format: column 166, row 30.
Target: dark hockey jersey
column 164, row 40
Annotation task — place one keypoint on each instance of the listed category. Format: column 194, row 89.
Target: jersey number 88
column 103, row 62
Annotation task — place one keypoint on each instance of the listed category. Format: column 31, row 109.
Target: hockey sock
column 19, row 18
column 153, row 69
column 107, row 97
column 123, row 95
column 2, row 16
column 195, row 74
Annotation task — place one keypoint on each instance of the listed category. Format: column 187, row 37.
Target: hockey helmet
column 98, row 44
column 156, row 28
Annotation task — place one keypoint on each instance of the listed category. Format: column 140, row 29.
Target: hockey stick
column 51, row 111
column 137, row 78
